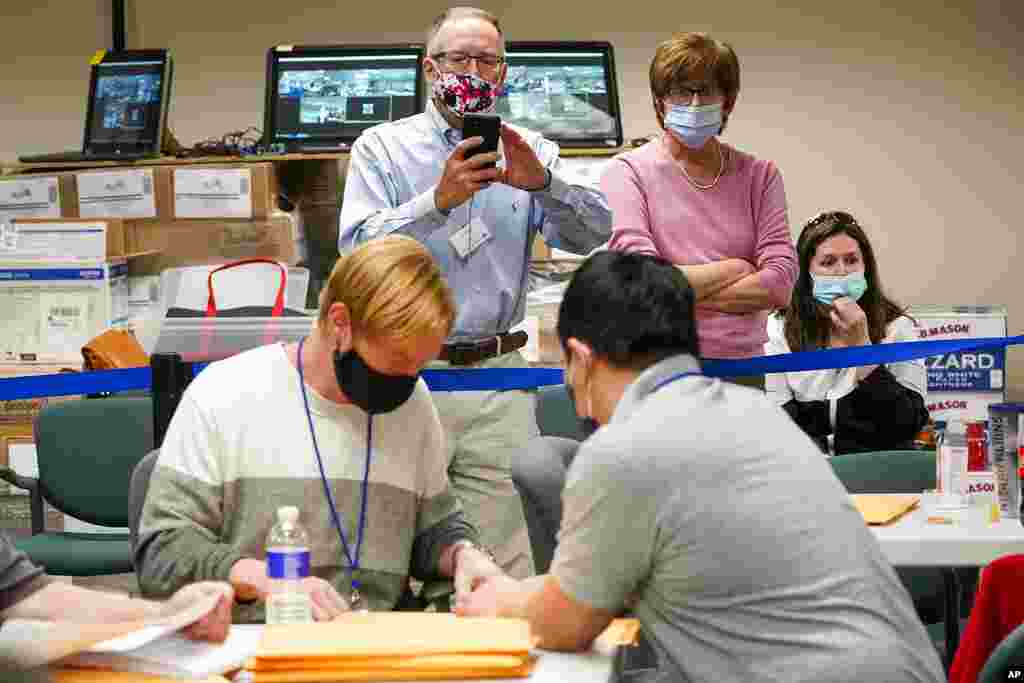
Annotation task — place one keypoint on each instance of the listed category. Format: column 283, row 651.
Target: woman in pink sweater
column 714, row 211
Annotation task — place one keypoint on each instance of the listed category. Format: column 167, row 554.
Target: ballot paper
column 34, row 643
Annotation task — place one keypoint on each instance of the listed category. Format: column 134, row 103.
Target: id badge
column 469, row 238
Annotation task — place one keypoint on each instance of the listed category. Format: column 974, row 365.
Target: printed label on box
column 945, row 406
column 212, row 193
column 29, row 198
column 973, row 371
column 83, row 241
column 116, row 194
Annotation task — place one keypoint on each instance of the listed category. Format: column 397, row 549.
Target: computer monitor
column 129, row 95
column 564, row 90
column 320, row 98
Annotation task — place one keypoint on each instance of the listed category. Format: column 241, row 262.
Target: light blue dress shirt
column 392, row 174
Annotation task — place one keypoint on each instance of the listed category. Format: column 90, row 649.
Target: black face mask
column 372, row 391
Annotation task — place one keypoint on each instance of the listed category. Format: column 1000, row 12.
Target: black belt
column 469, row 353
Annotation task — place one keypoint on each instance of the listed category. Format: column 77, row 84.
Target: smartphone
column 487, row 126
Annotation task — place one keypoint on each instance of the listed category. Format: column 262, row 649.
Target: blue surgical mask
column 694, row 125
column 828, row 288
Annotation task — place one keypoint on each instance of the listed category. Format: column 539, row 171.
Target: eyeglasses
column 688, row 90
column 462, row 60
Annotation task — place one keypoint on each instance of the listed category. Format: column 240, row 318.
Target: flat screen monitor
column 129, row 93
column 563, row 90
column 320, row 98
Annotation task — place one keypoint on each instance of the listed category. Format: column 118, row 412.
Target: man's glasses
column 462, row 60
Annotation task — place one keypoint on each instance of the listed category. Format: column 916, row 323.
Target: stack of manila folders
column 356, row 646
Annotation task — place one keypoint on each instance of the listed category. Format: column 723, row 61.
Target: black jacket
column 880, row 414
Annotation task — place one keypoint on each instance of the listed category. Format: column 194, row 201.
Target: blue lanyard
column 664, row 383
column 353, row 563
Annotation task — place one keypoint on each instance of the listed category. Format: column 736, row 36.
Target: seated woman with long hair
column 838, row 301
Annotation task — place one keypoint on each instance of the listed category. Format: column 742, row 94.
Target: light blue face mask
column 828, row 288
column 694, row 125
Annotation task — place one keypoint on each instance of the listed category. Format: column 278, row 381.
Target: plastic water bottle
column 287, row 566
column 953, row 459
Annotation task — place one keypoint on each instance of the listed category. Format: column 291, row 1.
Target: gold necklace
column 718, row 176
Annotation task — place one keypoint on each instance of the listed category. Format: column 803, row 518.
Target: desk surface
column 912, row 541
column 15, row 167
column 552, row 667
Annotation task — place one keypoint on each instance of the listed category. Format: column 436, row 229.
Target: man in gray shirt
column 703, row 507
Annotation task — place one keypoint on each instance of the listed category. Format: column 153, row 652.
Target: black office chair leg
column 951, row 610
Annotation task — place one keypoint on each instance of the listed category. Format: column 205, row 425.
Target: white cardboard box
column 30, row 197
column 116, row 194
column 51, row 309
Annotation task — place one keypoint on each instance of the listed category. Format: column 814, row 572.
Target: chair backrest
column 137, row 490
column 1009, row 654
column 87, row 450
column 556, row 414
column 886, row 471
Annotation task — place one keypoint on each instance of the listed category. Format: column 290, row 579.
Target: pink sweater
column 656, row 211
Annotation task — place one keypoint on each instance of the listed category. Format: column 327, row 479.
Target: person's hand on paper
column 214, row 626
column 327, row 602
column 471, row 568
column 492, row 597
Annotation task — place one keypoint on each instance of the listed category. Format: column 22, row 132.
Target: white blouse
column 832, row 385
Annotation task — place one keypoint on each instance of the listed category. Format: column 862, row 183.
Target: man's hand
column 471, row 568
column 327, row 602
column 522, row 167
column 849, row 324
column 249, row 577
column 214, row 626
column 464, row 175
column 494, row 596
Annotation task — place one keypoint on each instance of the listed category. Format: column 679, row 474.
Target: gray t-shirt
column 748, row 558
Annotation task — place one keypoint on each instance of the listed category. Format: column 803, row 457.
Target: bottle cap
column 288, row 513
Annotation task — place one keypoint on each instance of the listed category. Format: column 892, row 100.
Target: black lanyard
column 353, row 561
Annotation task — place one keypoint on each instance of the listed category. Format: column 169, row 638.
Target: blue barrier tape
column 852, row 357
column 491, row 379
column 74, row 383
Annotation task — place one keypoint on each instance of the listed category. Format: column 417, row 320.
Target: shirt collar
column 649, row 380
column 452, row 136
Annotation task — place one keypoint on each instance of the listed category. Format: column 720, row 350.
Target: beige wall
column 909, row 119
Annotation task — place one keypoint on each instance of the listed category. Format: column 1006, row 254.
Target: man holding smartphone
column 420, row 177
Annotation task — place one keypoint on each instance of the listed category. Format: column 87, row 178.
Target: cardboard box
column 64, row 239
column 972, row 372
column 540, row 251
column 121, row 193
column 312, row 184
column 26, row 409
column 51, row 309
column 37, row 196
column 202, row 242
column 209, row 191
